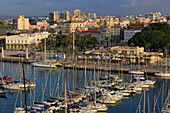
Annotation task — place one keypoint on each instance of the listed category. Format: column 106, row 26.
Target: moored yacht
column 43, row 64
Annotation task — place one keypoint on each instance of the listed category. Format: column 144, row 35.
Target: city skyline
column 100, row 7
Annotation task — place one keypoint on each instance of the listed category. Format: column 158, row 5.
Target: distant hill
column 154, row 37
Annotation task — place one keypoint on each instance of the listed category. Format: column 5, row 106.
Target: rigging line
column 46, row 83
column 157, row 97
column 62, row 81
column 56, row 77
column 139, row 102
column 166, row 101
column 148, row 104
column 16, row 100
column 17, row 70
column 4, row 105
column 158, row 108
column 80, row 80
column 57, row 89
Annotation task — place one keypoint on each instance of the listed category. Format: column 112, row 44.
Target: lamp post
column 73, row 40
column 73, row 30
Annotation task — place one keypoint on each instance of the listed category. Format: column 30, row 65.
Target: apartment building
column 21, row 23
column 53, row 17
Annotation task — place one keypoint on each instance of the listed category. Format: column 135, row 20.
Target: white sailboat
column 44, row 64
column 164, row 74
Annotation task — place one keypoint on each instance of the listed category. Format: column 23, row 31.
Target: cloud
column 132, row 3
column 100, row 7
column 48, row 3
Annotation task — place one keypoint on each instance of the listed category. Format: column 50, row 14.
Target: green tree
column 154, row 37
column 32, row 22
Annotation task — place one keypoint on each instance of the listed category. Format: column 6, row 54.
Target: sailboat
column 44, row 63
column 2, row 93
column 164, row 74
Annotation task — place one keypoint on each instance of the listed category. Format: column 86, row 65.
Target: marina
column 51, row 84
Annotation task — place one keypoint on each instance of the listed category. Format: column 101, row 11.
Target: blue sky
column 100, row 7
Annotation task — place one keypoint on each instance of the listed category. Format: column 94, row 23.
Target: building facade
column 77, row 13
column 72, row 26
column 23, row 41
column 53, row 17
column 128, row 50
column 128, row 34
column 21, row 23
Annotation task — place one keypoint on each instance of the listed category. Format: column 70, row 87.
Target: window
column 22, row 41
column 124, row 52
column 18, row 41
column 132, row 52
column 25, row 41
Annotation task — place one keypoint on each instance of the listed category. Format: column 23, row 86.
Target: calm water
column 42, row 78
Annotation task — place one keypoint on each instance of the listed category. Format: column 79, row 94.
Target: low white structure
column 22, row 41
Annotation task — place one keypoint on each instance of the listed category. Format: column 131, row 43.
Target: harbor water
column 52, row 83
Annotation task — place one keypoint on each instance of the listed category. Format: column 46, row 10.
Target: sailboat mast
column 24, row 87
column 50, row 78
column 85, row 74
column 139, row 61
column 95, row 83
column 42, row 93
column 166, row 68
column 45, row 49
column 65, row 94
column 144, row 103
column 131, row 67
column 34, row 83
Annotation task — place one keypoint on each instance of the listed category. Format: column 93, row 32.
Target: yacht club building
column 23, row 41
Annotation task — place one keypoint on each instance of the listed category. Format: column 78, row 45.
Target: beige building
column 72, row 26
column 132, row 53
column 128, row 50
column 23, row 41
column 115, row 31
column 77, row 13
column 53, row 17
column 67, row 15
column 21, row 23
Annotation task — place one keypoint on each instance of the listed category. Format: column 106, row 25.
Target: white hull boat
column 42, row 64
column 136, row 72
column 162, row 74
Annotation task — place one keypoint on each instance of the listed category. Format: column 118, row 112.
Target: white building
column 23, row 41
column 128, row 34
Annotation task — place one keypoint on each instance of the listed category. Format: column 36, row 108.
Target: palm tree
column 147, row 47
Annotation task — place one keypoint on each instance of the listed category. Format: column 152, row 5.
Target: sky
column 100, row 7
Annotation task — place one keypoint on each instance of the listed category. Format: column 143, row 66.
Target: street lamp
column 73, row 30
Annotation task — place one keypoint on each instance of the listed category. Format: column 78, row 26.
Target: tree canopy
column 154, row 37
column 32, row 22
column 66, row 42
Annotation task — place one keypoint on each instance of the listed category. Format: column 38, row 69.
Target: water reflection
column 53, row 82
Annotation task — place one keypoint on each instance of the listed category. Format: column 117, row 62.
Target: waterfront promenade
column 72, row 62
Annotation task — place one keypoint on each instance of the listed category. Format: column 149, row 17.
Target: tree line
column 62, row 42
